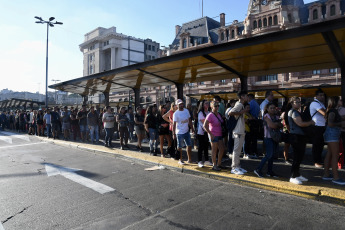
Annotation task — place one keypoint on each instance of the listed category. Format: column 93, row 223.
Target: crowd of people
column 230, row 128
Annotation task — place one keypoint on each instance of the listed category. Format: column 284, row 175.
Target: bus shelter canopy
column 315, row 46
column 17, row 103
column 305, row 92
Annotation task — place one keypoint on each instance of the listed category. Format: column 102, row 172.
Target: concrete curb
column 315, row 191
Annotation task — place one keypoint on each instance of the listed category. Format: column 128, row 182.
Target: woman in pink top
column 213, row 126
column 169, row 118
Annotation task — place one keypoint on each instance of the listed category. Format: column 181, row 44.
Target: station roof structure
column 16, row 103
column 305, row 92
column 314, row 46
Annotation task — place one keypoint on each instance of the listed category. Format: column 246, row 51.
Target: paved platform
column 315, row 188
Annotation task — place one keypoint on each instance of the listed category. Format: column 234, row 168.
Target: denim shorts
column 83, row 128
column 183, row 137
column 216, row 138
column 332, row 134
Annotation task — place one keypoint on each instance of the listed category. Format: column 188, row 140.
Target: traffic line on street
column 13, row 146
column 1, row 227
column 69, row 173
column 13, row 135
column 6, row 139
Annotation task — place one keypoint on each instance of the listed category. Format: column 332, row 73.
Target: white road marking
column 6, row 139
column 1, row 227
column 12, row 146
column 23, row 137
column 69, row 173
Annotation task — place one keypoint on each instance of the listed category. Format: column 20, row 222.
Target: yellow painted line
column 310, row 190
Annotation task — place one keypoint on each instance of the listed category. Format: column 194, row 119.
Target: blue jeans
column 94, row 131
column 109, row 135
column 183, row 137
column 49, row 130
column 271, row 148
column 153, row 138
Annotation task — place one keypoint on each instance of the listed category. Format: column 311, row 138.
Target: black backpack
column 305, row 115
column 231, row 123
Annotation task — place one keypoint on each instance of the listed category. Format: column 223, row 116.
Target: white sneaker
column 295, row 180
column 246, row 156
column 181, row 162
column 302, row 178
column 237, row 171
column 242, row 170
column 208, row 163
column 200, row 164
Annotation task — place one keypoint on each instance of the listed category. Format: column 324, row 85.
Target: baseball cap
column 179, row 101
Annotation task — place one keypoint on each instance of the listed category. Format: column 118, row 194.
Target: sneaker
column 237, row 171
column 243, row 170
column 288, row 162
column 141, row 149
column 330, row 177
column 302, row 178
column 122, row 148
column 258, row 173
column 200, row 164
column 339, row 182
column 295, row 181
column 181, row 162
column 208, row 163
column 246, row 156
column 317, row 165
column 216, row 168
column 272, row 174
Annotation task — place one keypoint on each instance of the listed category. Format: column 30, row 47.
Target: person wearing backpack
column 238, row 132
column 318, row 113
column 298, row 139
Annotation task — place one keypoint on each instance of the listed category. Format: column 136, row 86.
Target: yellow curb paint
column 307, row 190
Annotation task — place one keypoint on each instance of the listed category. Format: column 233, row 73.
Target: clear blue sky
column 23, row 42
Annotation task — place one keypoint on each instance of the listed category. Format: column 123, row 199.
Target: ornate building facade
column 263, row 16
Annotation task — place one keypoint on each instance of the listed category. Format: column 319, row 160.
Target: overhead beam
column 155, row 75
column 334, row 46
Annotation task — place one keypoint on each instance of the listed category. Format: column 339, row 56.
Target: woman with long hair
column 163, row 129
column 213, row 126
column 332, row 136
column 298, row 139
column 169, row 118
column 123, row 123
column 203, row 111
column 139, row 127
column 151, row 126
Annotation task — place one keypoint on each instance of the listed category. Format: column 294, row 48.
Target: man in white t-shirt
column 182, row 123
column 318, row 112
column 238, row 133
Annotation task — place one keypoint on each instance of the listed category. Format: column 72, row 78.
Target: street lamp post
column 49, row 23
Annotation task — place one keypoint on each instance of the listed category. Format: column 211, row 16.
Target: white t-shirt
column 240, row 126
column 200, row 123
column 317, row 118
column 109, row 124
column 227, row 113
column 31, row 117
column 262, row 107
column 182, row 121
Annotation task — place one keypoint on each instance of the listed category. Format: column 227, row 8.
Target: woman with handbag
column 297, row 139
column 272, row 125
column 213, row 126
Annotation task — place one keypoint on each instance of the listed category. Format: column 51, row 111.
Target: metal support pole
column 244, row 83
column 106, row 98
column 342, row 71
column 47, row 67
column 179, row 88
column 136, row 97
column 85, row 98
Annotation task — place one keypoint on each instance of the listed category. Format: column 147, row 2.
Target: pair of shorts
column 139, row 131
column 83, row 128
column 56, row 127
column 66, row 126
column 332, row 134
column 216, row 138
column 183, row 137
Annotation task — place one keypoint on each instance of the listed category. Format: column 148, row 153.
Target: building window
column 106, row 43
column 265, row 22
column 202, row 83
column 275, row 20
column 92, row 47
column 92, row 70
column 184, row 45
column 149, row 47
column 289, row 18
column 91, row 57
column 232, row 34
column 222, row 82
column 316, row 72
column 260, row 23
column 153, row 57
column 268, row 77
column 315, row 14
column 333, row 71
column 255, row 24
column 270, row 21
column 222, row 36
column 153, row 48
column 142, row 99
column 332, row 10
column 145, row 46
column 234, row 80
column 148, row 99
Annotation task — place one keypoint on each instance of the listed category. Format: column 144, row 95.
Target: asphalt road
column 98, row 191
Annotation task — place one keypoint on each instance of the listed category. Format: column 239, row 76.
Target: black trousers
column 298, row 143
column 250, row 143
column 318, row 144
column 203, row 147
